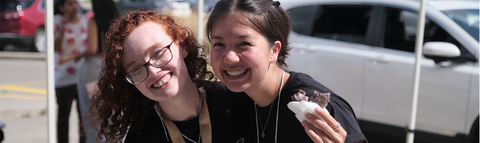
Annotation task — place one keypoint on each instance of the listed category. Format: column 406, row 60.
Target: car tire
column 1, row 135
column 39, row 41
column 474, row 132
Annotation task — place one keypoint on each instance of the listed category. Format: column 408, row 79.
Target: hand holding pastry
column 302, row 104
column 321, row 127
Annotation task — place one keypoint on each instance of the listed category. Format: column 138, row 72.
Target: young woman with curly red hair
column 153, row 86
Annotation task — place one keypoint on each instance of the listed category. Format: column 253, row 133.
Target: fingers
column 326, row 117
column 315, row 134
column 325, row 123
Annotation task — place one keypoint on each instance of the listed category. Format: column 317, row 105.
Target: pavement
column 22, row 55
column 26, row 118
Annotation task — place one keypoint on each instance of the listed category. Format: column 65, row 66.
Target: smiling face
column 139, row 46
column 240, row 56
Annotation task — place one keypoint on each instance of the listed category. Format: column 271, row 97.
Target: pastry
column 301, row 103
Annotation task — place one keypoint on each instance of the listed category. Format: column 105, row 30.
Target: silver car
column 364, row 51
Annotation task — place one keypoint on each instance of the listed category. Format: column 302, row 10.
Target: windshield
column 467, row 19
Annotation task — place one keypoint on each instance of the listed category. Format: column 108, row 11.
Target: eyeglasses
column 161, row 58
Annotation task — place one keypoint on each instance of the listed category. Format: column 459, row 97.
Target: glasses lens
column 137, row 75
column 161, row 58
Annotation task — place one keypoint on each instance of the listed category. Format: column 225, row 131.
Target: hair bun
column 276, row 3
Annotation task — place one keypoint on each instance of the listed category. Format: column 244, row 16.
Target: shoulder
column 338, row 107
column 230, row 113
column 57, row 18
column 57, row 15
column 151, row 130
column 91, row 23
column 304, row 81
column 219, row 95
column 337, row 104
column 83, row 20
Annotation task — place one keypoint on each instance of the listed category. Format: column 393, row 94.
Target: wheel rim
column 40, row 41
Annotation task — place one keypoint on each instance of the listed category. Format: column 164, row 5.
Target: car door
column 332, row 49
column 388, row 73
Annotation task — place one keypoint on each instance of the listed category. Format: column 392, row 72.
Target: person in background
column 153, row 88
column 70, row 39
column 91, row 59
column 249, row 41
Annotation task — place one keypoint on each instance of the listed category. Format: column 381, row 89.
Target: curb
column 22, row 55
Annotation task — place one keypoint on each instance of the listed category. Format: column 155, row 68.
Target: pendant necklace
column 276, row 123
column 264, row 127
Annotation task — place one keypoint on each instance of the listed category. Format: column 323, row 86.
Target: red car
column 22, row 24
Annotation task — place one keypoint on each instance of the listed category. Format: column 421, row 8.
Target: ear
column 277, row 46
column 183, row 50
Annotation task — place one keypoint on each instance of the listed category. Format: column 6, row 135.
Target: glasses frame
column 149, row 64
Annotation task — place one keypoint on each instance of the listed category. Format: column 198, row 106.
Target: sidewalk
column 22, row 55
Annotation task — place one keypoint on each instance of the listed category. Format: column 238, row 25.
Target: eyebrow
column 144, row 52
column 241, row 37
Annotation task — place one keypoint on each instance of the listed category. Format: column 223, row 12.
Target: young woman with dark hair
column 249, row 41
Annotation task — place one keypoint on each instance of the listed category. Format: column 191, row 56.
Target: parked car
column 2, row 136
column 364, row 50
column 174, row 7
column 22, row 23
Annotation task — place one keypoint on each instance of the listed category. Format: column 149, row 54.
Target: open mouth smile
column 236, row 72
column 165, row 79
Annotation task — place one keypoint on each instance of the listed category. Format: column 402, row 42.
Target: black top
column 190, row 129
column 289, row 128
column 233, row 116
column 228, row 115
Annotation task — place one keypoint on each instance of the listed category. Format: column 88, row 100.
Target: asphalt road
column 23, row 98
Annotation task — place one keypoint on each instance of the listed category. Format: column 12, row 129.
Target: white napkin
column 302, row 107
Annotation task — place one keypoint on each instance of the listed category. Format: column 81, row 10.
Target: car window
column 467, row 19
column 10, row 5
column 347, row 23
column 42, row 5
column 400, row 32
column 303, row 18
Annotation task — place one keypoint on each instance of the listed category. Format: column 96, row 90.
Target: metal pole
column 50, row 72
column 200, row 20
column 416, row 77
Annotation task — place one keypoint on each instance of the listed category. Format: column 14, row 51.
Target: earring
column 274, row 61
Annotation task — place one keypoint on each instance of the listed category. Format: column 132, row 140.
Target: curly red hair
column 120, row 104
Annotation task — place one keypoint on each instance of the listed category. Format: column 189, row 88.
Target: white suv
column 364, row 51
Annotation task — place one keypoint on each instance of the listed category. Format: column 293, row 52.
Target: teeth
column 162, row 81
column 236, row 73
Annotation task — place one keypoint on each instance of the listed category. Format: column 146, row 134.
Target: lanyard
column 204, row 123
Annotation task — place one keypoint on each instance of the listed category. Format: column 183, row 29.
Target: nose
column 152, row 70
column 231, row 57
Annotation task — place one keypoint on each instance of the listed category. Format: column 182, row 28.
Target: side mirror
column 441, row 49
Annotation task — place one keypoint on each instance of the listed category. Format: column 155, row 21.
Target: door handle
column 304, row 48
column 379, row 60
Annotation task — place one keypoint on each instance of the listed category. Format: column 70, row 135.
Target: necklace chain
column 266, row 123
column 271, row 105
